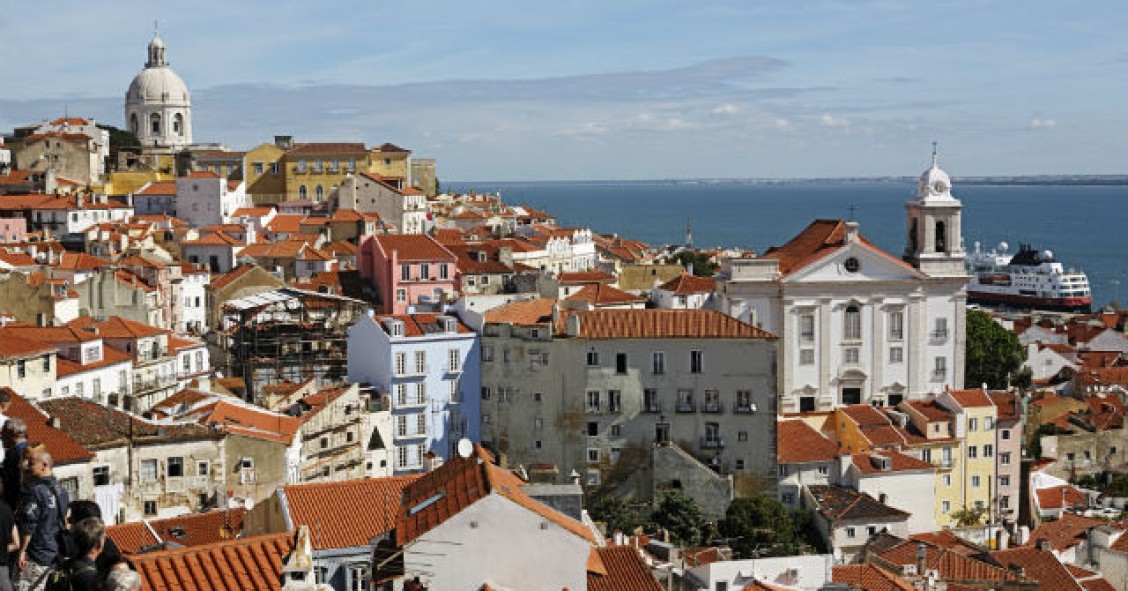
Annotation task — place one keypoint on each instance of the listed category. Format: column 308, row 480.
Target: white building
column 859, row 325
column 205, row 198
column 897, row 480
column 193, row 316
column 158, row 109
column 406, row 209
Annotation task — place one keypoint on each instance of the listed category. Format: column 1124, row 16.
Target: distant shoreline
column 1018, row 181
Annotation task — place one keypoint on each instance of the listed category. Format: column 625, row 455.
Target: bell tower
column 934, row 242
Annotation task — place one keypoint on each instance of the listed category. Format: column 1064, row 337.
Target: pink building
column 410, row 271
column 13, row 229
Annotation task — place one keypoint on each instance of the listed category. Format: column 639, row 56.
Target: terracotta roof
column 664, row 324
column 116, row 327
column 838, row 503
column 624, row 570
column 248, row 564
column 131, row 537
column 1066, row 532
column 418, row 325
column 251, row 422
column 18, row 259
column 177, row 343
column 349, row 513
column 312, row 148
column 254, row 212
column 867, row 464
column 413, row 247
column 63, row 448
column 222, row 281
column 49, row 334
column 949, row 564
column 575, row 277
column 821, row 238
column 1040, row 565
column 601, row 294
column 687, row 284
column 1052, row 497
column 930, row 409
column 869, row 577
column 946, row 539
column 536, row 312
column 798, row 443
column 110, row 356
column 79, row 261
column 163, row 188
column 971, row 398
column 286, row 223
column 16, row 347
column 865, row 415
column 449, row 236
column 461, row 482
column 1005, row 404
column 195, row 529
column 100, row 427
column 286, row 249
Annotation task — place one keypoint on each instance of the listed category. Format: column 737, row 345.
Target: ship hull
column 1073, row 304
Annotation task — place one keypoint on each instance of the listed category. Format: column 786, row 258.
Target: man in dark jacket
column 41, row 513
column 14, row 436
column 89, row 538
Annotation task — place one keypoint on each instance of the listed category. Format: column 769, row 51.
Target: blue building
column 426, row 369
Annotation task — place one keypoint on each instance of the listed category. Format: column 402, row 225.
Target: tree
column 759, row 526
column 615, row 512
column 968, row 517
column 702, row 266
column 682, row 517
column 993, row 352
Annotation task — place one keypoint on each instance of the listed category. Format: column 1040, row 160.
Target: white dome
column 934, row 183
column 158, row 85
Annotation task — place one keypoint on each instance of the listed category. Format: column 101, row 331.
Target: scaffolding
column 287, row 334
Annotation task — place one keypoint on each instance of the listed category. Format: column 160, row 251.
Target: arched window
column 302, row 192
column 178, row 124
column 155, row 123
column 133, row 126
column 852, row 323
column 941, row 237
column 318, row 192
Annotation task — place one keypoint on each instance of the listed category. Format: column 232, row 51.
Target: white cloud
column 726, row 109
column 828, row 120
column 1037, row 123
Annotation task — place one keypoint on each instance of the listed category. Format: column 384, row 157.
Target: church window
column 913, row 236
column 852, row 323
column 155, row 123
column 896, row 355
column 941, row 238
column 807, row 328
column 896, row 325
column 133, row 126
column 178, row 124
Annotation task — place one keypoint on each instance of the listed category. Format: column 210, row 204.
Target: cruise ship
column 1026, row 279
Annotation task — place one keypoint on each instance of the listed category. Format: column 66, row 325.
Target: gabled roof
column 867, row 464
column 951, row 565
column 162, row 188
column 346, row 514
column 64, row 449
column 15, row 347
column 869, row 577
column 286, row 223
column 688, row 284
column 579, row 277
column 536, row 312
column 116, row 327
column 799, row 443
column 414, row 247
column 458, row 484
column 254, row 212
column 110, row 356
column 222, row 281
column 838, row 503
column 418, row 325
column 664, row 324
column 1068, row 531
column 213, row 239
column 1040, row 565
column 601, row 294
column 247, row 564
column 100, row 427
column 251, row 422
column 1054, row 496
column 80, row 261
column 971, row 398
column 194, row 529
column 820, row 239
column 624, row 570
column 310, row 148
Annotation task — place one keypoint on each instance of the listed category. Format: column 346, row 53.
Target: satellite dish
column 465, row 448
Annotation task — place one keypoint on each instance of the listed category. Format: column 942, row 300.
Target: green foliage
column 682, row 517
column 993, row 352
column 438, row 186
column 969, row 516
column 615, row 512
column 702, row 267
column 1088, row 481
column 1119, row 486
column 759, row 526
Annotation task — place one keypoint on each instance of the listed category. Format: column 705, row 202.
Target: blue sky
column 505, row 90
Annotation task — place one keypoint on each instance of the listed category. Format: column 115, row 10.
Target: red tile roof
column 213, row 239
column 1066, row 532
column 417, row 325
column 62, row 447
column 798, row 443
column 414, row 247
column 688, row 284
column 601, row 294
column 664, row 324
column 346, row 514
column 838, row 503
column 162, row 188
column 820, row 239
column 110, row 356
column 15, row 347
column 971, row 398
column 116, row 327
column 461, row 482
column 99, row 427
column 866, row 463
column 222, row 281
column 1040, row 565
column 536, row 312
column 869, row 577
column 576, row 277
column 248, row 564
column 196, row 529
column 286, row 223
column 312, row 148
column 624, row 570
column 251, row 422
column 1052, row 497
column 951, row 565
column 131, row 537
column 78, row 261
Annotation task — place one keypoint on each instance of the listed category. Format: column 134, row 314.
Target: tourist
column 39, row 516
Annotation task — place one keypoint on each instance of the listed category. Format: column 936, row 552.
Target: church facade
column 858, row 325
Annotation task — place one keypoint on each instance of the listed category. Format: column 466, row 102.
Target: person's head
column 80, row 510
column 122, row 578
column 89, row 536
column 5, row 400
column 37, row 462
column 14, row 431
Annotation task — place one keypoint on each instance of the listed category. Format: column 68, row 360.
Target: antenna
column 934, row 144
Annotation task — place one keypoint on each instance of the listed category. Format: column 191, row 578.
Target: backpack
column 61, row 577
column 64, row 538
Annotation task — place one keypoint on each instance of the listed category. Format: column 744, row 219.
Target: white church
column 857, row 324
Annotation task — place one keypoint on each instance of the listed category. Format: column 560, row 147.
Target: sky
column 613, row 89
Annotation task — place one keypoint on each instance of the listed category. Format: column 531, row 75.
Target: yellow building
column 930, row 433
column 975, row 419
column 287, row 170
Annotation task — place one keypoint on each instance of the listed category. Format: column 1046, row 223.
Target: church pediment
column 857, row 262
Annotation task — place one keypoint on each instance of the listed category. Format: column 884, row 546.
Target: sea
column 1084, row 226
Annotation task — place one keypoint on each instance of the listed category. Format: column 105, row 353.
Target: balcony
column 743, row 409
column 939, row 374
column 143, row 386
column 939, row 334
column 652, row 407
column 943, row 463
column 712, row 443
column 711, row 407
column 411, row 435
column 410, row 402
column 686, row 407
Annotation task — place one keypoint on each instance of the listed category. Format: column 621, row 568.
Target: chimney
column 1044, row 544
column 921, row 555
